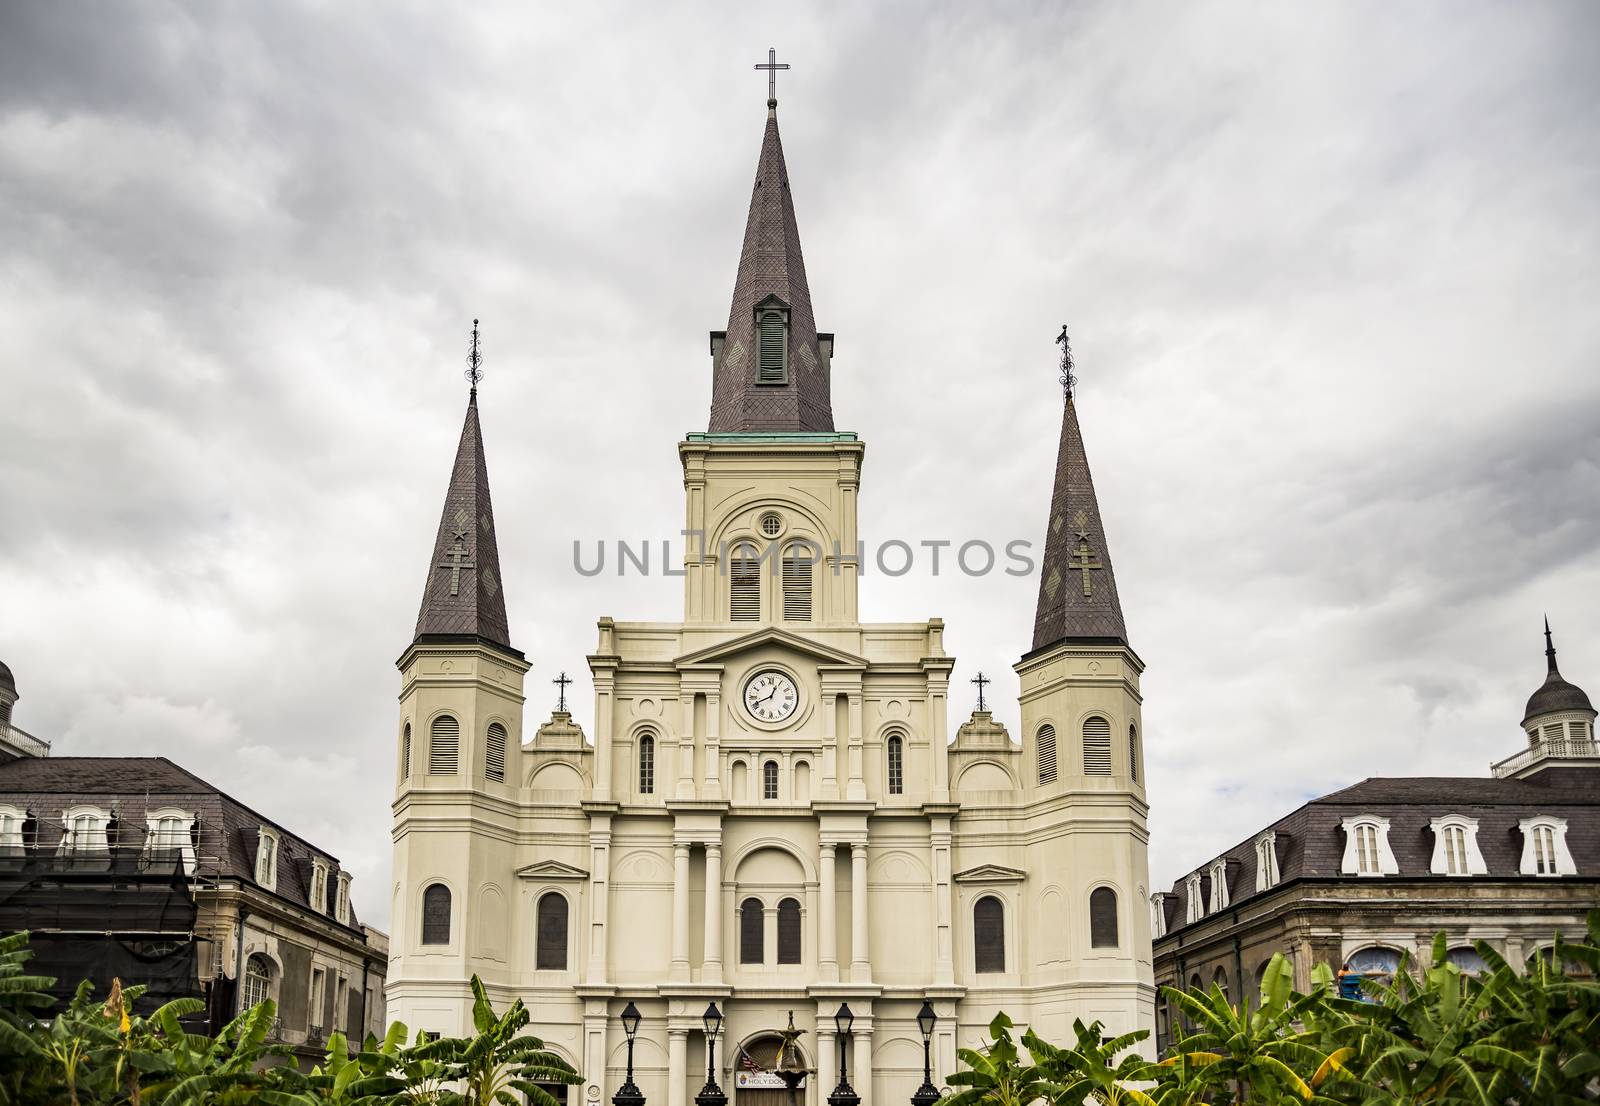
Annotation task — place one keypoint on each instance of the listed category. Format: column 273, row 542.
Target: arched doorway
column 757, row 1080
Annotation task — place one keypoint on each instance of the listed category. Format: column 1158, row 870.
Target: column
column 711, row 962
column 599, row 897
column 830, row 744
column 827, row 1058
column 594, row 1047
column 861, row 1063
column 604, row 686
column 860, row 967
column 827, row 926
column 677, row 1067
column 856, row 788
column 686, row 739
column 943, row 941
column 713, row 757
column 680, row 912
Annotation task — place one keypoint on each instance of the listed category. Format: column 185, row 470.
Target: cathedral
column 771, row 816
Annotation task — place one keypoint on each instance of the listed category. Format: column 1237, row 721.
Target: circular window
column 771, row 524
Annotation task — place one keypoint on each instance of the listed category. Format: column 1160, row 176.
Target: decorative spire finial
column 474, row 371
column 1549, row 646
column 1068, row 381
column 772, row 66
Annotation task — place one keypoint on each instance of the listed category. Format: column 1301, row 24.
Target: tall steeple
column 770, row 367
column 464, row 597
column 1077, row 588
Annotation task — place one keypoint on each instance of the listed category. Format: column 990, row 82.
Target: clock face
column 771, row 696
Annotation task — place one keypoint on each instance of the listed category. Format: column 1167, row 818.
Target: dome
column 1555, row 694
column 7, row 683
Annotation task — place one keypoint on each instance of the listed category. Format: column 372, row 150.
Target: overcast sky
column 1331, row 274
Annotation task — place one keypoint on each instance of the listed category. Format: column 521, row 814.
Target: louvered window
column 1544, row 851
column 1103, row 918
column 751, row 922
column 897, row 767
column 444, row 746
column 1096, row 747
column 769, row 780
column 1133, row 753
column 405, row 752
column 774, row 348
column 1455, row 850
column 1045, row 742
column 494, row 756
column 436, row 915
column 744, row 585
column 647, row 765
column 552, row 935
column 789, row 931
column 1367, row 850
column 797, row 562
column 988, row 935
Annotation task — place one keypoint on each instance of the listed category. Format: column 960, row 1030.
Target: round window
column 771, row 524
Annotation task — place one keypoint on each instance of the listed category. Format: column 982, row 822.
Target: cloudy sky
column 1331, row 273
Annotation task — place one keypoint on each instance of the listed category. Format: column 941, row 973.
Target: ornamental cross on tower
column 982, row 681
column 1083, row 561
column 457, row 555
column 772, row 66
column 562, row 681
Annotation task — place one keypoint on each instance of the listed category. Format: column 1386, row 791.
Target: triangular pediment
column 771, row 635
column 551, row 869
column 991, row 873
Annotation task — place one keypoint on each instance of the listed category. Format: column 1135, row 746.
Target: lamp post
column 711, row 1094
column 927, row 1094
column 629, row 1094
column 843, row 1094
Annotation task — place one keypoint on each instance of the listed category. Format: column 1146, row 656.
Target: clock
column 770, row 696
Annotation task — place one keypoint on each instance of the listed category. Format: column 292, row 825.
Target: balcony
column 21, row 742
column 1555, row 749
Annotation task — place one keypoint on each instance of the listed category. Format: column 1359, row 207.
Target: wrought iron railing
column 1556, row 748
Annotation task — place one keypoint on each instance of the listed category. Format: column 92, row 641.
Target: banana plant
column 998, row 1075
column 191, row 1069
column 497, row 1060
column 1089, row 1071
column 370, row 1077
column 22, row 1000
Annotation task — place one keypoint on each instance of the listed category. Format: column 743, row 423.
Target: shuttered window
column 797, row 562
column 436, row 915
column 1045, row 743
column 1133, row 753
column 789, row 931
column 444, row 746
column 1103, row 918
column 744, row 585
column 769, row 780
column 552, row 933
column 751, row 935
column 988, row 935
column 1096, row 747
column 774, row 348
column 494, row 754
column 897, row 766
column 405, row 752
column 647, row 764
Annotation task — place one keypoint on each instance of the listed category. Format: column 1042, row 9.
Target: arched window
column 1096, row 746
column 647, row 763
column 1219, row 978
column 436, row 915
column 789, row 931
column 769, row 780
column 1133, row 753
column 551, row 953
column 1468, row 960
column 1103, row 918
column 752, row 920
column 774, row 349
column 444, row 746
column 494, row 753
column 744, row 584
column 257, row 980
column 1366, row 849
column 797, row 561
column 897, row 765
column 1375, row 963
column 988, row 935
column 405, row 752
column 1045, row 743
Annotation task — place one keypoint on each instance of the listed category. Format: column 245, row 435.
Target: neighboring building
column 1355, row 878
column 771, row 814
column 134, row 868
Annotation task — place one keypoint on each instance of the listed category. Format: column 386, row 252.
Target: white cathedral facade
column 771, row 814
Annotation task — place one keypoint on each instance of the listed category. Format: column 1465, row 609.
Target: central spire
column 770, row 367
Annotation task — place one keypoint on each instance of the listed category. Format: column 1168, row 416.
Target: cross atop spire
column 772, row 66
column 982, row 681
column 1068, row 381
column 474, row 360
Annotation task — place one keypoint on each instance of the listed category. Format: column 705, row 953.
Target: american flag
column 747, row 1064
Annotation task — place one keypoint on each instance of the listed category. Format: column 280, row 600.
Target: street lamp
column 629, row 1094
column 711, row 1094
column 927, row 1094
column 843, row 1094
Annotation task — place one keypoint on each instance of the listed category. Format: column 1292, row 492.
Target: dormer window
column 1544, row 847
column 772, row 343
column 1158, row 914
column 319, row 885
column 341, row 903
column 1219, row 885
column 11, row 819
column 171, row 837
column 85, row 828
column 1267, row 875
column 1366, row 847
column 1194, row 899
column 1455, row 847
column 267, row 858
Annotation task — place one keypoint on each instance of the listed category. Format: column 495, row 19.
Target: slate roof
column 133, row 786
column 770, row 264
column 7, row 681
column 469, row 602
column 1310, row 840
column 1074, row 603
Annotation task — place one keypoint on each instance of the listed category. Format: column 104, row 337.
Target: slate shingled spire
column 1077, row 590
column 771, row 273
column 464, row 597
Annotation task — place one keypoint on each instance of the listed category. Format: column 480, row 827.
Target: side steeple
column 1077, row 588
column 770, row 367
column 464, row 597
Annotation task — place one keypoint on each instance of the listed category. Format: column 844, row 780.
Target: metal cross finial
column 982, row 681
column 772, row 66
column 474, row 360
column 562, row 681
column 1068, row 381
